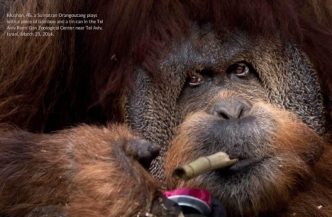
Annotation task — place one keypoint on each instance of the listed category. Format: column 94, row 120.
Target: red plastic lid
column 193, row 197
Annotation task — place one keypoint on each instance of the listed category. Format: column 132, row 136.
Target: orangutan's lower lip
column 242, row 164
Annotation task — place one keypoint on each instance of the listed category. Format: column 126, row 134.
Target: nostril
column 221, row 112
column 243, row 110
column 241, row 113
column 224, row 115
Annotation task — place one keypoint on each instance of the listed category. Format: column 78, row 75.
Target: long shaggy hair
column 42, row 77
column 89, row 171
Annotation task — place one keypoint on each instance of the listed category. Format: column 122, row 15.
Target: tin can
column 192, row 198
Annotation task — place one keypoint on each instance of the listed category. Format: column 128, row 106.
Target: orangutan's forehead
column 204, row 48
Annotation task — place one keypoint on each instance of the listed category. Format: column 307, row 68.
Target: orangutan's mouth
column 245, row 163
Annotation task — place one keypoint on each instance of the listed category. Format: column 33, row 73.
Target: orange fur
column 300, row 184
column 86, row 170
column 50, row 83
column 84, row 83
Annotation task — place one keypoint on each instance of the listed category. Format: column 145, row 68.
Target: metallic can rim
column 192, row 202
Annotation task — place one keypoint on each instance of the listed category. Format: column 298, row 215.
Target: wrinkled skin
column 240, row 115
column 280, row 74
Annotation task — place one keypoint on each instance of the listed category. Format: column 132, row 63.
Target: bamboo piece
column 202, row 165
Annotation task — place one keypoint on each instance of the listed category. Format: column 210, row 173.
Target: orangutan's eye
column 241, row 70
column 194, row 79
